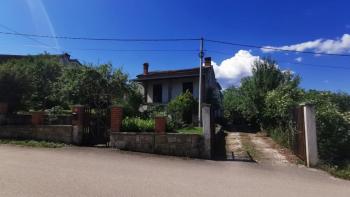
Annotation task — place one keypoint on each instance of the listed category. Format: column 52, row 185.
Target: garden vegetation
column 266, row 100
column 44, row 83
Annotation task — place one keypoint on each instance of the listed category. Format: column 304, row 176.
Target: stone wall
column 187, row 145
column 26, row 119
column 52, row 133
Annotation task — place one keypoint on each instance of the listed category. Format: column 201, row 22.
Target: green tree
column 40, row 74
column 266, row 77
column 232, row 104
column 333, row 125
column 181, row 108
column 14, row 87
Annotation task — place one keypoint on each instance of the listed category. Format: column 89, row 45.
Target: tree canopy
column 43, row 82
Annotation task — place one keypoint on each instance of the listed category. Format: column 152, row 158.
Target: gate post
column 116, row 118
column 38, row 118
column 78, row 123
column 310, row 135
column 208, row 131
column 3, row 112
column 160, row 124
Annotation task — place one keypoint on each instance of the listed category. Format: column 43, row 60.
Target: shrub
column 137, row 125
column 333, row 126
column 333, row 134
column 181, row 108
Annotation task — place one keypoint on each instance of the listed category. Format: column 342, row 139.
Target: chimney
column 207, row 62
column 145, row 68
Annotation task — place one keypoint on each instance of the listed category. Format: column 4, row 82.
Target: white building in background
column 160, row 87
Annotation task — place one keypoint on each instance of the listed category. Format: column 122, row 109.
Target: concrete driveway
column 75, row 171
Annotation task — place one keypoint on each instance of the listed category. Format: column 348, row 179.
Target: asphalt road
column 76, row 171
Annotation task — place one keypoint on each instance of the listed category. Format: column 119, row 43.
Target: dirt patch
column 257, row 147
column 235, row 150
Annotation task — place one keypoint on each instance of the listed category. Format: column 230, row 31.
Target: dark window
column 157, row 93
column 187, row 86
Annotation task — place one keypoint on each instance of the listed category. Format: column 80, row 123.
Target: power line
column 32, row 39
column 276, row 49
column 137, row 50
column 170, row 40
column 318, row 65
column 296, row 63
column 101, row 39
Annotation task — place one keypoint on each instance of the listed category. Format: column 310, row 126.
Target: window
column 157, row 93
column 187, row 86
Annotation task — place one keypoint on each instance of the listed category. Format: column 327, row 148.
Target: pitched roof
column 169, row 74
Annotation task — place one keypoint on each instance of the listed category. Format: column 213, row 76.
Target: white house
column 159, row 87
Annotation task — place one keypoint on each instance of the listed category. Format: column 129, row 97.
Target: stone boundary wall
column 26, row 119
column 52, row 133
column 175, row 144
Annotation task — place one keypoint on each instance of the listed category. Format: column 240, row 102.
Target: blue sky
column 317, row 26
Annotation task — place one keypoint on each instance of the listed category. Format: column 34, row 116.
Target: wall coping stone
column 148, row 133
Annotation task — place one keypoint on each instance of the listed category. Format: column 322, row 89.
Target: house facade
column 160, row 87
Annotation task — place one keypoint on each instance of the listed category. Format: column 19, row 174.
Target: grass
column 137, row 125
column 190, row 130
column 342, row 171
column 33, row 143
column 250, row 148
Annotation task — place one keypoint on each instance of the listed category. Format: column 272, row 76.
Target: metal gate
column 299, row 143
column 97, row 121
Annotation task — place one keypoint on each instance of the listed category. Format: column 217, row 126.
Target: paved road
column 105, row 172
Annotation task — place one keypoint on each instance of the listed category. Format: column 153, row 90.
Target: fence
column 176, row 144
column 82, row 127
column 36, row 126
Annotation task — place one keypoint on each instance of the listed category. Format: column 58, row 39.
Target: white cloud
column 299, row 59
column 339, row 45
column 232, row 70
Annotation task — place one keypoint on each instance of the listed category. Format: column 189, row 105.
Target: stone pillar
column 116, row 118
column 3, row 113
column 208, row 131
column 310, row 135
column 160, row 124
column 78, row 123
column 37, row 118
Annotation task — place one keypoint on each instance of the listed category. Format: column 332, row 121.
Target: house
column 62, row 58
column 160, row 87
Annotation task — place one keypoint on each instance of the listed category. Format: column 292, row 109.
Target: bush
column 333, row 134
column 333, row 126
column 137, row 125
column 181, row 109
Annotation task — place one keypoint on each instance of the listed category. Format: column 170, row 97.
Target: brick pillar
column 160, row 124
column 78, row 112
column 78, row 115
column 38, row 117
column 116, row 118
column 3, row 108
column 3, row 113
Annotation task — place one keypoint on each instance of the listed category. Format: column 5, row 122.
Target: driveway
column 75, row 171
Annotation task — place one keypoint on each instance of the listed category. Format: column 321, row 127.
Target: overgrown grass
column 190, row 130
column 341, row 171
column 137, row 125
column 249, row 147
column 33, row 143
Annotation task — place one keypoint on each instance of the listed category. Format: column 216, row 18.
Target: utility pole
column 201, row 55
